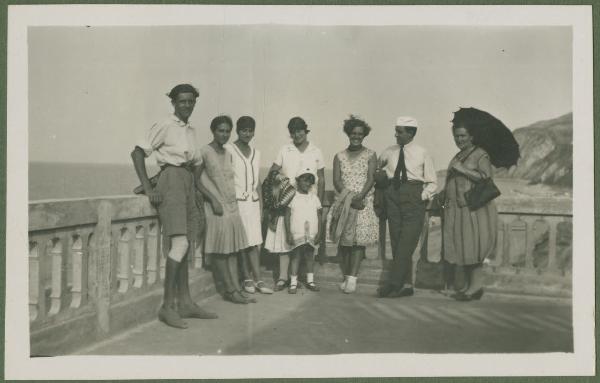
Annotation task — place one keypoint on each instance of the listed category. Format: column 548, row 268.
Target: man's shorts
column 178, row 212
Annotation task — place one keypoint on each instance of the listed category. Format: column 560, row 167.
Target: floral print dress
column 354, row 175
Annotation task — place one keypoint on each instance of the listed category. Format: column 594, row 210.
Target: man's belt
column 186, row 165
column 154, row 179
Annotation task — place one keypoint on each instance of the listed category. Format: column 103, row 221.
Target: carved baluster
column 567, row 253
column 37, row 301
column 138, row 257
column 322, row 252
column 77, row 270
column 123, row 256
column 552, row 259
column 163, row 254
column 529, row 241
column 505, row 244
column 382, row 240
column 499, row 253
column 56, row 253
column 434, row 244
column 152, row 246
column 164, row 251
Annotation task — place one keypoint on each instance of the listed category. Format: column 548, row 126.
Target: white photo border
column 18, row 364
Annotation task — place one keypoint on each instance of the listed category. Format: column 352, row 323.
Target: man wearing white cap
column 407, row 180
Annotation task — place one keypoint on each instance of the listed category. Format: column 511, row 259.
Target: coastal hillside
column 546, row 152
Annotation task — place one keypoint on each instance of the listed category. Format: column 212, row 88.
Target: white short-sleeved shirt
column 173, row 141
column 304, row 220
column 245, row 172
column 292, row 160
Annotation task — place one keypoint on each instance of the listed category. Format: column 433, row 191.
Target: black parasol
column 490, row 134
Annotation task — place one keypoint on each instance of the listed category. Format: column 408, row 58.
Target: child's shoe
column 249, row 286
column 343, row 284
column 310, row 282
column 293, row 289
column 262, row 288
column 312, row 286
column 350, row 285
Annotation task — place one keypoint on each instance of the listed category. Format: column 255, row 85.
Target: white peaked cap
column 407, row 121
column 306, row 170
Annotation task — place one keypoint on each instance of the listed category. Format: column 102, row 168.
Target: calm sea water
column 60, row 180
column 50, row 180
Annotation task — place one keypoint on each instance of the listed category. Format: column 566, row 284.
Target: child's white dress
column 304, row 220
column 304, row 224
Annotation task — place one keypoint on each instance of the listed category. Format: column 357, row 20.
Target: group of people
column 219, row 184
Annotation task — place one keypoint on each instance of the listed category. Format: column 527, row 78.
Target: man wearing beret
column 407, row 181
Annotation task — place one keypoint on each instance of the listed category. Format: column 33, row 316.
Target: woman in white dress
column 246, row 165
column 292, row 157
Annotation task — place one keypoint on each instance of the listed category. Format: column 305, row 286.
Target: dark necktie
column 400, row 172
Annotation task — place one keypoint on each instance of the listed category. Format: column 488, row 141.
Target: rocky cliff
column 546, row 152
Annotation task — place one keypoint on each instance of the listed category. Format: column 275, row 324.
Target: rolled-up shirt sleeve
column 154, row 139
column 429, row 178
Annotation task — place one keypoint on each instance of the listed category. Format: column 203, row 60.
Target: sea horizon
column 67, row 180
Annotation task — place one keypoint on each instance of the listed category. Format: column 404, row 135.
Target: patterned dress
column 354, row 175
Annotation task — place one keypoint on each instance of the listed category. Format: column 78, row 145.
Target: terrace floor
column 330, row 322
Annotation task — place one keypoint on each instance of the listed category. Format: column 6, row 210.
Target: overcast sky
column 94, row 92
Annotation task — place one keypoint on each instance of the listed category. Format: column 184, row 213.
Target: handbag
column 481, row 193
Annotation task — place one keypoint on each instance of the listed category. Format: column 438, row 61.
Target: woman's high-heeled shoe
column 477, row 294
column 247, row 298
column 462, row 297
column 235, row 297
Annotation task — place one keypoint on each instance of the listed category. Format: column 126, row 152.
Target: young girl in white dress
column 303, row 228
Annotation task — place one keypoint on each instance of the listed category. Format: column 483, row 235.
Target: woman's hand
column 289, row 238
column 317, row 240
column 154, row 196
column 217, row 207
column 459, row 167
column 381, row 178
column 357, row 202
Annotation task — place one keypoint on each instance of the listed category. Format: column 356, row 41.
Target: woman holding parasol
column 469, row 228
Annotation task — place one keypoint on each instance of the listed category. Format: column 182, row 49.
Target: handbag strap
column 468, row 155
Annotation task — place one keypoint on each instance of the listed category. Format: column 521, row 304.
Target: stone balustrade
column 96, row 265
column 86, row 257
column 534, row 235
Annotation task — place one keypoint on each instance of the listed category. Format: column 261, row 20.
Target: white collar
column 309, row 147
column 179, row 121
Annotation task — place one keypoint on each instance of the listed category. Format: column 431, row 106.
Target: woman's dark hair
column 464, row 126
column 182, row 88
column 353, row 122
column 220, row 120
column 469, row 130
column 297, row 123
column 245, row 122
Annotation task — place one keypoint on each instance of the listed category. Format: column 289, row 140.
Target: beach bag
column 481, row 194
column 278, row 192
column 429, row 275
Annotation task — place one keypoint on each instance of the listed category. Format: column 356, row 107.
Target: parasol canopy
column 490, row 134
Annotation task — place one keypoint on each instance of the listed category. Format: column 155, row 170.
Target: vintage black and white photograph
column 299, row 191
